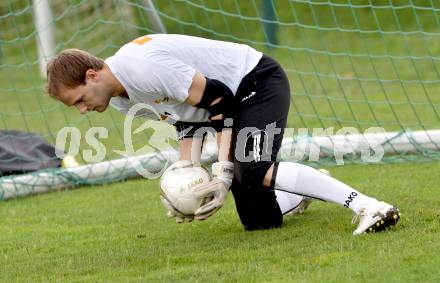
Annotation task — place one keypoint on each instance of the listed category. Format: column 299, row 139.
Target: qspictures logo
column 159, row 142
column 251, row 145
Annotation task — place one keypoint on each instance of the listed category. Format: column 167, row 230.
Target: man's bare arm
column 196, row 89
column 190, row 149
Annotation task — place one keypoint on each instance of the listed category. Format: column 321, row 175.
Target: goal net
column 364, row 75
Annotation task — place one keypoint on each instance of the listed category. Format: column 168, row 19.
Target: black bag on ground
column 23, row 152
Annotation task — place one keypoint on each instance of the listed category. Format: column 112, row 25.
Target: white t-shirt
column 158, row 70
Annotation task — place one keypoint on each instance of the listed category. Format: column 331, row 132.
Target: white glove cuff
column 224, row 171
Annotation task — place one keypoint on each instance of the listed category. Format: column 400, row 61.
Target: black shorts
column 261, row 107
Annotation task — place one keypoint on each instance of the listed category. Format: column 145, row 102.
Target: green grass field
column 349, row 64
column 120, row 233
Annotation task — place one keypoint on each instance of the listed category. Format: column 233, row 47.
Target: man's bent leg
column 258, row 209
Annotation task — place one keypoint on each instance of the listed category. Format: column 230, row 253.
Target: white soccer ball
column 177, row 187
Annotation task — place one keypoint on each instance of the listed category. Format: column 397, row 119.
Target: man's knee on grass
column 257, row 208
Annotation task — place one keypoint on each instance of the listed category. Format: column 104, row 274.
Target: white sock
column 307, row 181
column 287, row 201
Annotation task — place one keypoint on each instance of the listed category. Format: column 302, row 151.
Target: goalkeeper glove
column 216, row 190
